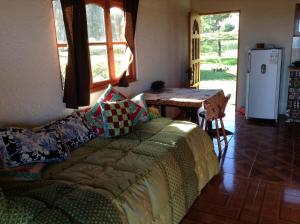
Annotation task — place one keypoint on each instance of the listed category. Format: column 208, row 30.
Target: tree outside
column 219, row 51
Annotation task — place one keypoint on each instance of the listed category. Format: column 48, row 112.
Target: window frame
column 109, row 43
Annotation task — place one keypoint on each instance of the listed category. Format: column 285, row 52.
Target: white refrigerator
column 263, row 82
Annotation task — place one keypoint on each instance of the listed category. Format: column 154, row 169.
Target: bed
column 152, row 175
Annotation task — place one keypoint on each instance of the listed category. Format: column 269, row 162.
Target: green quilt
column 152, row 175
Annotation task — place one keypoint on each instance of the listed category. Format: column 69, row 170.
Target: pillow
column 94, row 120
column 74, row 131
column 22, row 173
column 140, row 100
column 116, row 118
column 24, row 146
column 111, row 95
column 153, row 113
column 95, row 123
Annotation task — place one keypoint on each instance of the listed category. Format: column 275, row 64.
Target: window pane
column 99, row 63
column 117, row 24
column 59, row 23
column 96, row 23
column 121, row 59
column 63, row 59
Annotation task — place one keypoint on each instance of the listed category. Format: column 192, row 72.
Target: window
column 106, row 31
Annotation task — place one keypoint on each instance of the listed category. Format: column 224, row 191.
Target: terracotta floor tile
column 237, row 166
column 259, row 179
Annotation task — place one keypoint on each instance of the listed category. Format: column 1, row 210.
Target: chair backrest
column 216, row 109
column 227, row 98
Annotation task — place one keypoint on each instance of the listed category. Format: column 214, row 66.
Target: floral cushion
column 22, row 173
column 116, row 117
column 111, row 95
column 24, row 146
column 74, row 131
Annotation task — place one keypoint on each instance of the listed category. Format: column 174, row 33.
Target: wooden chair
column 215, row 113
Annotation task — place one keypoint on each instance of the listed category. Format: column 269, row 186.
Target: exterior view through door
column 214, row 41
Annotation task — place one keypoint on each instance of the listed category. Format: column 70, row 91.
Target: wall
column 30, row 87
column 269, row 22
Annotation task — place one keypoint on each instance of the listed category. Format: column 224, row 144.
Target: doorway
column 219, row 46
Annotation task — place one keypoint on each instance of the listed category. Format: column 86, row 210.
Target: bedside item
column 157, row 86
column 116, row 118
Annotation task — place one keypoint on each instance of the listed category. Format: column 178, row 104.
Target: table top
column 181, row 97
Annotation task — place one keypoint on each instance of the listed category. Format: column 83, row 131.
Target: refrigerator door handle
column 263, row 69
column 249, row 63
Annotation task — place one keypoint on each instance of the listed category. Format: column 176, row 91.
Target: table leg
column 194, row 115
column 163, row 111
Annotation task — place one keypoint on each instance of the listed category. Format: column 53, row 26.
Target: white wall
column 269, row 22
column 30, row 88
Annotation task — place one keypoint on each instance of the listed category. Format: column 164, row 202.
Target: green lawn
column 223, row 61
column 208, row 75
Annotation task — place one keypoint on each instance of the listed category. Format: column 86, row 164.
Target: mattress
column 152, row 175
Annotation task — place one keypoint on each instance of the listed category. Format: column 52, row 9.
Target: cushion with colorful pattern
column 93, row 120
column 116, row 118
column 140, row 100
column 110, row 95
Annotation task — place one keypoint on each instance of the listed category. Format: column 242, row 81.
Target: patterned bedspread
column 152, row 175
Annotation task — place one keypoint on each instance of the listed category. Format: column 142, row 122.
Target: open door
column 194, row 34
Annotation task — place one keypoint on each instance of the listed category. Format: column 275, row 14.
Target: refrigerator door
column 262, row 84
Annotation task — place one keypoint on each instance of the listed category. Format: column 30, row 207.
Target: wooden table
column 187, row 98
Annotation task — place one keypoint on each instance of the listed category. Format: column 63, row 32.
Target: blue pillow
column 73, row 129
column 24, row 146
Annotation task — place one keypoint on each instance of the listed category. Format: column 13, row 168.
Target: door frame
column 238, row 53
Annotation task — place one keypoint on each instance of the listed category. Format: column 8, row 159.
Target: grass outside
column 208, row 75
column 223, row 61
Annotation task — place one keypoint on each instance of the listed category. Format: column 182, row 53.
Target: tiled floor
column 259, row 179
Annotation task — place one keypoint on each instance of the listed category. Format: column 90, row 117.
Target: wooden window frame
column 107, row 5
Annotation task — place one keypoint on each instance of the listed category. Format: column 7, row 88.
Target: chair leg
column 202, row 123
column 224, row 132
column 218, row 137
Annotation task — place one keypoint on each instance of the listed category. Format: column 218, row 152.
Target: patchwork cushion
column 24, row 146
column 143, row 114
column 94, row 120
column 22, row 173
column 74, row 131
column 116, row 117
column 111, row 95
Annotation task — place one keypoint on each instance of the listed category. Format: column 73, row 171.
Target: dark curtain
column 131, row 10
column 78, row 70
